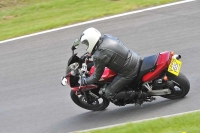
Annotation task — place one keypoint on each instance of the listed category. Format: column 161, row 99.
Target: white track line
column 136, row 121
column 97, row 20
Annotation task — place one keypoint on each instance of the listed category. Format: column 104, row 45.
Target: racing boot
column 141, row 97
column 130, row 94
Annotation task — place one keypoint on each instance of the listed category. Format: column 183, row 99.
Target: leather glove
column 63, row 81
column 87, row 56
column 83, row 81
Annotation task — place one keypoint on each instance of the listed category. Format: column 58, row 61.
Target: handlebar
column 85, row 57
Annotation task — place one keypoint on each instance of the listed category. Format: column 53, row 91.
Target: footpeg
column 151, row 99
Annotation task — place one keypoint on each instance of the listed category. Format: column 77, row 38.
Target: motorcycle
column 159, row 75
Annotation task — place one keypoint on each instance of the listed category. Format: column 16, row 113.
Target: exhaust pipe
column 159, row 92
column 177, row 56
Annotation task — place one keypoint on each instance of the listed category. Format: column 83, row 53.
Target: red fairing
column 68, row 79
column 84, row 88
column 163, row 61
column 107, row 75
column 77, row 88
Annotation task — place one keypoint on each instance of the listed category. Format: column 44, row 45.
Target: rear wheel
column 94, row 104
column 181, row 86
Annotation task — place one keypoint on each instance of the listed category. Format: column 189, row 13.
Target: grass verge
column 187, row 123
column 21, row 17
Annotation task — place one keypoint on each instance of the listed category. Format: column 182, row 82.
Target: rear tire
column 98, row 105
column 181, row 84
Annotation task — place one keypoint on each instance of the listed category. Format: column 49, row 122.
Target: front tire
column 181, row 86
column 98, row 105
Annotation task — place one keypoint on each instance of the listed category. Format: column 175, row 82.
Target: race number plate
column 175, row 66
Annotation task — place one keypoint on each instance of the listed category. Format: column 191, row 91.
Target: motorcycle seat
column 148, row 64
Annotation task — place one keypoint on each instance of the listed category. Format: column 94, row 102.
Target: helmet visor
column 86, row 44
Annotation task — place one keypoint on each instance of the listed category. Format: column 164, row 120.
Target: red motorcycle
column 159, row 75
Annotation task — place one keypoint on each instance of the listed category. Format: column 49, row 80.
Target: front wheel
column 181, row 86
column 95, row 104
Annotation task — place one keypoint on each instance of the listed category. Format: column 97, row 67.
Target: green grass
column 21, row 17
column 188, row 123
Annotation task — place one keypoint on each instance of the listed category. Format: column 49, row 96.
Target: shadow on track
column 94, row 119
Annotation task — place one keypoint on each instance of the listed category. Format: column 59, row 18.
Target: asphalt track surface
column 32, row 99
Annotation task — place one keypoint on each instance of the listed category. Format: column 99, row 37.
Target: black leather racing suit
column 113, row 54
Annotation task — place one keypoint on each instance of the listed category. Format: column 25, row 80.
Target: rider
column 108, row 51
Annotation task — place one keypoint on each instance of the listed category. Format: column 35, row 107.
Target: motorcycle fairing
column 73, row 59
column 162, row 63
column 72, row 80
column 84, row 88
column 107, row 75
column 76, row 86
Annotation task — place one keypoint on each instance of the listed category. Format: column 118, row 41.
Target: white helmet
column 90, row 37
